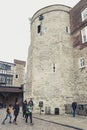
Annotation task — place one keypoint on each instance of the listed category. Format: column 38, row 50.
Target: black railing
column 81, row 109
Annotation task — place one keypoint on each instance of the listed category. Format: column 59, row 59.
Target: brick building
column 78, row 22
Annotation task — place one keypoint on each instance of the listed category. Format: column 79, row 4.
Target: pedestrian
column 29, row 109
column 24, row 108
column 8, row 114
column 31, row 102
column 74, row 106
column 16, row 109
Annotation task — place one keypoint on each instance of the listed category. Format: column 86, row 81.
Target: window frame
column 84, row 14
column 68, row 29
column 39, row 29
column 16, row 76
column 81, row 62
column 84, row 34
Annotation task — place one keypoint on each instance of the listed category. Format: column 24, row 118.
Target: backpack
column 27, row 110
column 7, row 110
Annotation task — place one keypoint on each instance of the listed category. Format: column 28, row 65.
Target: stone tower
column 19, row 72
column 50, row 59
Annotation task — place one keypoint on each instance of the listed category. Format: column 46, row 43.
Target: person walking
column 31, row 103
column 16, row 109
column 9, row 114
column 24, row 108
column 74, row 106
column 29, row 109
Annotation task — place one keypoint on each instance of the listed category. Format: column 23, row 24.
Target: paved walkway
column 78, row 122
column 69, row 122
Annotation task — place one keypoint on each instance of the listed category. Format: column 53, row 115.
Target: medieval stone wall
column 50, row 61
column 54, row 72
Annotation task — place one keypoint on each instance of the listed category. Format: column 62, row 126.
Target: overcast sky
column 15, row 25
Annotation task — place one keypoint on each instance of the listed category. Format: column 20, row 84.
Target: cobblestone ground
column 38, row 124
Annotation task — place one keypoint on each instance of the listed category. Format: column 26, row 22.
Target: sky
column 15, row 25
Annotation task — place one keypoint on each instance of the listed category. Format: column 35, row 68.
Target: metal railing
column 81, row 109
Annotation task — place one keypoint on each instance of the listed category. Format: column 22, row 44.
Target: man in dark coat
column 74, row 106
column 16, row 109
column 24, row 108
column 31, row 102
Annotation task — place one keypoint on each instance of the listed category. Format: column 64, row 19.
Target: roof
column 11, row 89
column 19, row 62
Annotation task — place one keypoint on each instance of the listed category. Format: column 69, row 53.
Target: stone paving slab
column 78, row 122
column 46, row 122
column 38, row 124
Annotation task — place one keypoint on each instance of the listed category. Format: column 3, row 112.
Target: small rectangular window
column 84, row 34
column 82, row 62
column 67, row 29
column 16, row 76
column 39, row 29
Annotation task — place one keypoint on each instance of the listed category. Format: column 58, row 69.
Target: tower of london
column 57, row 58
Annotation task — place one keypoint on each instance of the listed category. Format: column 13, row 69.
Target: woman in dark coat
column 16, row 112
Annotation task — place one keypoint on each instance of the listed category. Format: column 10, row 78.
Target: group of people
column 9, row 111
column 26, row 109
